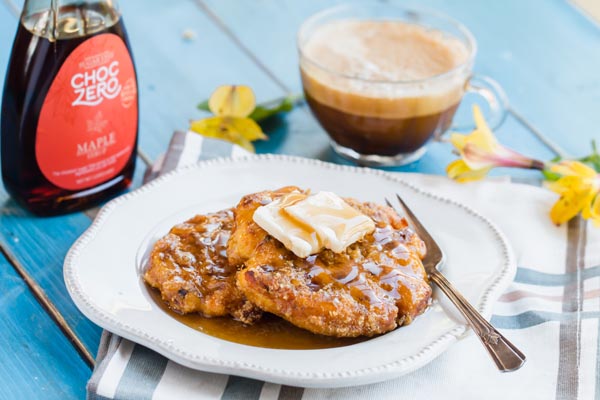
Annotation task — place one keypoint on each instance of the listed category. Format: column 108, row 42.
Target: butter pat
column 301, row 240
column 307, row 224
column 337, row 224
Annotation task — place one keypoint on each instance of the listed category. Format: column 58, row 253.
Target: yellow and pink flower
column 480, row 151
column 577, row 184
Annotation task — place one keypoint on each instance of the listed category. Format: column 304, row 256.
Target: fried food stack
column 223, row 264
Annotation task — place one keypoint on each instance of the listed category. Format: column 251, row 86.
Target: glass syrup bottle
column 69, row 120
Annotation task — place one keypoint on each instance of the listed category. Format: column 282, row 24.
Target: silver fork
column 506, row 356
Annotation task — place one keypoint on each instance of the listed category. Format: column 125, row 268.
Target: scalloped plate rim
column 351, row 378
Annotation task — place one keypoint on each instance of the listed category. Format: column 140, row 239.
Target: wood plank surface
column 40, row 244
column 176, row 74
column 545, row 54
column 36, row 359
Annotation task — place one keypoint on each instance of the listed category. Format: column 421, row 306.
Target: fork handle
column 506, row 356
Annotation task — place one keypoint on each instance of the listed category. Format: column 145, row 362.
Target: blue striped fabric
column 558, row 309
column 533, row 277
column 533, row 318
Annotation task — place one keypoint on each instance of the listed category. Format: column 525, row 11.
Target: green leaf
column 593, row 160
column 550, row 176
column 267, row 109
column 556, row 159
column 203, row 106
column 272, row 108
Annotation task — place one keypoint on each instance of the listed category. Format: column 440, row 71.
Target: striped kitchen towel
column 551, row 311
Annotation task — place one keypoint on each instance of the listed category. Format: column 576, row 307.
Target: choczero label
column 88, row 123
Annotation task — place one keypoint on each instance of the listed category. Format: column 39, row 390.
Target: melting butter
column 300, row 239
column 307, row 224
column 337, row 224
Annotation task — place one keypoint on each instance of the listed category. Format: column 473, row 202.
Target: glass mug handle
column 493, row 94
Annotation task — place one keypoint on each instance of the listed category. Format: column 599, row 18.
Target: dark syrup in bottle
column 69, row 119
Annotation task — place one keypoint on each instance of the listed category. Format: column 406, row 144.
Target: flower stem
column 539, row 165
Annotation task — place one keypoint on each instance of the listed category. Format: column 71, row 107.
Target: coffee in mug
column 382, row 87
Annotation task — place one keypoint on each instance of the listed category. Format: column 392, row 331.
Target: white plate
column 103, row 271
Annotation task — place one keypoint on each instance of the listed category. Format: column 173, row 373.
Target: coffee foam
column 361, row 60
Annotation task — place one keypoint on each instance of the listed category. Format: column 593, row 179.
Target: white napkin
column 551, row 312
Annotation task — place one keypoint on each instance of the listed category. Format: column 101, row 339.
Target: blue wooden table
column 545, row 54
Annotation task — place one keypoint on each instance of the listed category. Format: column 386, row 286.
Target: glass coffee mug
column 382, row 80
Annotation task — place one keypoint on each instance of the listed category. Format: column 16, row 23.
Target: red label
column 88, row 122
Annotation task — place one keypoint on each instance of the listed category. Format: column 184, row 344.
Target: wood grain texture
column 36, row 359
column 545, row 54
column 176, row 74
column 39, row 245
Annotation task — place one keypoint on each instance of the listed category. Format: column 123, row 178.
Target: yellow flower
column 480, row 152
column 460, row 171
column 232, row 101
column 231, row 106
column 579, row 190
